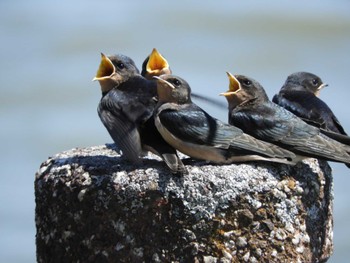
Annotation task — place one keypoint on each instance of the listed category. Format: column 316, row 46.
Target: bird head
column 114, row 70
column 242, row 90
column 304, row 81
column 173, row 89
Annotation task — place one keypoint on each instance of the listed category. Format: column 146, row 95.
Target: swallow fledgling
column 300, row 95
column 155, row 65
column 251, row 110
column 126, row 110
column 192, row 131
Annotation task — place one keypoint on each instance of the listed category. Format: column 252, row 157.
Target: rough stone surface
column 93, row 206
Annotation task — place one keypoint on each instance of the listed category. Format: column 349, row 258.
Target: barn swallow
column 194, row 132
column 251, row 110
column 155, row 65
column 126, row 110
column 299, row 95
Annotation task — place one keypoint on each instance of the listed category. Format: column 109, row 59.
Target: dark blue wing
column 272, row 123
column 121, row 121
column 190, row 123
column 311, row 109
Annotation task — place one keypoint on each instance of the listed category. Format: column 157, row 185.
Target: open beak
column 105, row 70
column 234, row 86
column 156, row 62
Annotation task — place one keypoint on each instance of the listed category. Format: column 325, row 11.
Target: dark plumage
column 194, row 132
column 252, row 111
column 126, row 110
column 299, row 95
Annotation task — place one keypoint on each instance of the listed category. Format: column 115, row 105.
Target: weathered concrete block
column 92, row 206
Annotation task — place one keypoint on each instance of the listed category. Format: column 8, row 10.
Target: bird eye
column 176, row 82
column 247, row 82
column 315, row 82
column 120, row 65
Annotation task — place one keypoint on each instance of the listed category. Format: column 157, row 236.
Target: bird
column 126, row 110
column 251, row 110
column 300, row 95
column 192, row 131
column 156, row 64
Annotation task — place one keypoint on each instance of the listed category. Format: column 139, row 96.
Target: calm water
column 50, row 52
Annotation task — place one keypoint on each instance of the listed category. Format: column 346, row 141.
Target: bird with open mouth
column 126, row 110
column 251, row 110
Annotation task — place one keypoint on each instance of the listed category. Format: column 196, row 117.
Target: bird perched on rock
column 299, row 95
column 194, row 132
column 252, row 111
column 126, row 110
column 155, row 65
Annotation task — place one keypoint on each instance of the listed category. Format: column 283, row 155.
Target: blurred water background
column 50, row 51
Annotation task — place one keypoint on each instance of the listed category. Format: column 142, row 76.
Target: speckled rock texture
column 93, row 206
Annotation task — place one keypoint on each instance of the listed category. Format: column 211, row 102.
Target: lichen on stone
column 94, row 206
